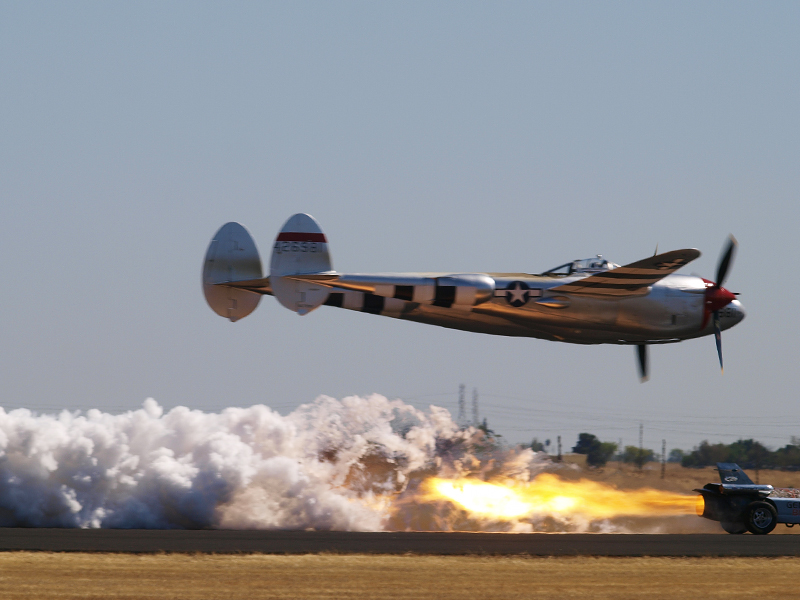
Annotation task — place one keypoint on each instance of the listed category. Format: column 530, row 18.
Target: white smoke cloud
column 354, row 464
column 327, row 465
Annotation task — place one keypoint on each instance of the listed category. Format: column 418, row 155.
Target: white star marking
column 516, row 293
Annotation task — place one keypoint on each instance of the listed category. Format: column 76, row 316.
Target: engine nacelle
column 462, row 291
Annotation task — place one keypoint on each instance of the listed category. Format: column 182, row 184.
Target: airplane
column 590, row 301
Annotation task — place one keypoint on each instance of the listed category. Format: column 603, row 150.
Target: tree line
column 748, row 454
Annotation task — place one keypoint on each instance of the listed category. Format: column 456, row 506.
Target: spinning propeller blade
column 718, row 338
column 725, row 261
column 718, row 297
column 641, row 353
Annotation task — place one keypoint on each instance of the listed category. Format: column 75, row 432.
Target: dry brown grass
column 678, row 479
column 26, row 576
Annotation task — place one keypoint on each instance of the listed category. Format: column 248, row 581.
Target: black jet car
column 741, row 505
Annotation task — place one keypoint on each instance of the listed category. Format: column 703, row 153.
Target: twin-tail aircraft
column 591, row 301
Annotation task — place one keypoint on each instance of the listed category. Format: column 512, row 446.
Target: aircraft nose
column 738, row 311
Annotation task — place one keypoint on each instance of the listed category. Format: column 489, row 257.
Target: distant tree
column 675, row 455
column 597, row 452
column 788, row 456
column 600, row 456
column 586, row 441
column 537, row 446
column 707, row 454
column 637, row 456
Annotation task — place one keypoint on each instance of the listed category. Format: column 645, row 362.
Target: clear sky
column 432, row 136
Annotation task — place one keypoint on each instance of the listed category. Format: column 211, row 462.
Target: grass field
column 174, row 576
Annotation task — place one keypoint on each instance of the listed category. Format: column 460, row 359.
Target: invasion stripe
column 372, row 304
column 601, row 286
column 404, row 292
column 445, row 295
column 296, row 236
column 620, row 281
column 648, row 270
column 592, row 291
column 628, row 275
column 335, row 299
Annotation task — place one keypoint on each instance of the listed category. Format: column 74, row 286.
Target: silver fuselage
column 671, row 311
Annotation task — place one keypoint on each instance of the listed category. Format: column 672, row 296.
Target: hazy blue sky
column 423, row 136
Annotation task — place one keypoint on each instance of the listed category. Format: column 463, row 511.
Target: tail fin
column 232, row 256
column 300, row 249
column 732, row 473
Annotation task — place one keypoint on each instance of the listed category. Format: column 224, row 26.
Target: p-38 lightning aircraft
column 591, row 301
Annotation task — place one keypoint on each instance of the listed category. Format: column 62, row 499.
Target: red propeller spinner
column 716, row 297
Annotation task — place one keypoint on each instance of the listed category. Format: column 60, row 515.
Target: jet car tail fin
column 732, row 473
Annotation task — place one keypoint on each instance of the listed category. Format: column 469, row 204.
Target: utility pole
column 663, row 458
column 621, row 455
column 559, row 449
column 462, row 405
column 640, row 460
column 475, row 407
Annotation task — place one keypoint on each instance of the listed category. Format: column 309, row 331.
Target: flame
column 549, row 495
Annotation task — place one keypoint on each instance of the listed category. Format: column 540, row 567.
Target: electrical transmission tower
column 462, row 405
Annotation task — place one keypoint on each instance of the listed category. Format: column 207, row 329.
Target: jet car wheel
column 735, row 527
column 761, row 518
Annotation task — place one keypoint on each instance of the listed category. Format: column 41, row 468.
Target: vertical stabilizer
column 732, row 473
column 301, row 248
column 232, row 256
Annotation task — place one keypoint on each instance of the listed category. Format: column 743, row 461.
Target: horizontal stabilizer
column 258, row 286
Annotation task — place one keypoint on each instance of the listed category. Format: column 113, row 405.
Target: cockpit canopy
column 586, row 265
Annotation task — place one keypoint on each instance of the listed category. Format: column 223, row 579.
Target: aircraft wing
column 633, row 279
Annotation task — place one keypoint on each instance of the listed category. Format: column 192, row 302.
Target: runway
column 439, row 543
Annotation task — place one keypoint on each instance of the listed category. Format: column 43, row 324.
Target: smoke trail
column 353, row 464
column 327, row 465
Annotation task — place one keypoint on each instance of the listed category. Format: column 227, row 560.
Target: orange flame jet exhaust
column 549, row 495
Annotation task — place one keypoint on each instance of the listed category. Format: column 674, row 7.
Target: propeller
column 725, row 261
column 641, row 353
column 717, row 297
column 718, row 339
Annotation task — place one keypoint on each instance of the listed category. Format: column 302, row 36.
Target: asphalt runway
column 440, row 543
